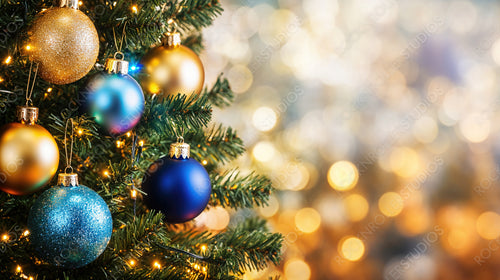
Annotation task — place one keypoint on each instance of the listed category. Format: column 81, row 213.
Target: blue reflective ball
column 179, row 188
column 70, row 226
column 116, row 101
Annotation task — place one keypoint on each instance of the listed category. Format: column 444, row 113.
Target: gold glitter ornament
column 64, row 42
column 172, row 68
column 29, row 156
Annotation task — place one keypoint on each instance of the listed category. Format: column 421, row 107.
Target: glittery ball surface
column 65, row 43
column 70, row 226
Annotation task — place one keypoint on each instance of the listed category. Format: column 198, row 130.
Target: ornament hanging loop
column 68, row 178
column 68, row 158
column 119, row 55
column 119, row 48
column 29, row 92
column 117, row 64
column 180, row 138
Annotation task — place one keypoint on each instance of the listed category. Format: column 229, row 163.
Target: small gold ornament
column 64, row 42
column 29, row 156
column 172, row 68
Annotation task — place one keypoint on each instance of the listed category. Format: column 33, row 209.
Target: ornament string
column 180, row 138
column 29, row 92
column 119, row 48
column 68, row 158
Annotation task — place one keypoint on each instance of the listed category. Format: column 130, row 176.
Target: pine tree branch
column 221, row 94
column 248, row 249
column 232, row 190
column 198, row 13
column 217, row 145
column 175, row 112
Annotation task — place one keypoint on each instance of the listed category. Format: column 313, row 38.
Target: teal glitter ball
column 70, row 226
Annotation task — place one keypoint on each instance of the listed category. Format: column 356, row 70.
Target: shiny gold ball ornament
column 29, row 156
column 172, row 68
column 64, row 42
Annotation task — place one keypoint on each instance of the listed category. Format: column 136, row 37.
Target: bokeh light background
column 378, row 121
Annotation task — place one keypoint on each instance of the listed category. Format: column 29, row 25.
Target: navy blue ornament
column 177, row 185
column 70, row 224
column 114, row 98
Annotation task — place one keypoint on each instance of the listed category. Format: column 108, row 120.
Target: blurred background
column 378, row 122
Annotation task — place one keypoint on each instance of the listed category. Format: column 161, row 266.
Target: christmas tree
column 86, row 80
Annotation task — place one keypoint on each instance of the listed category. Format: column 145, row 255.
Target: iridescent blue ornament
column 70, row 224
column 114, row 98
column 177, row 186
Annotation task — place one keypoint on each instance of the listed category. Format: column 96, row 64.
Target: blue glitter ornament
column 114, row 98
column 177, row 185
column 70, row 224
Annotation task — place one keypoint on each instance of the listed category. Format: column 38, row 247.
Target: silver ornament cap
column 66, row 3
column 116, row 66
column 67, row 179
column 180, row 150
column 27, row 114
column 171, row 39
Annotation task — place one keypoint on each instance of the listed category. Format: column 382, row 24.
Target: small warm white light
column 8, row 60
column 204, row 162
column 131, row 262
column 80, row 3
column 18, row 269
column 31, row 278
column 134, row 9
column 80, row 132
column 28, row 47
column 1, row 79
column 128, row 134
column 118, row 143
column 141, row 143
column 203, row 248
column 133, row 193
column 5, row 237
column 49, row 89
column 157, row 265
column 105, row 173
column 26, row 233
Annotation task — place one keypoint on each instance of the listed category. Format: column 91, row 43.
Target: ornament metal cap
column 172, row 39
column 116, row 66
column 66, row 3
column 179, row 150
column 27, row 114
column 67, row 179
